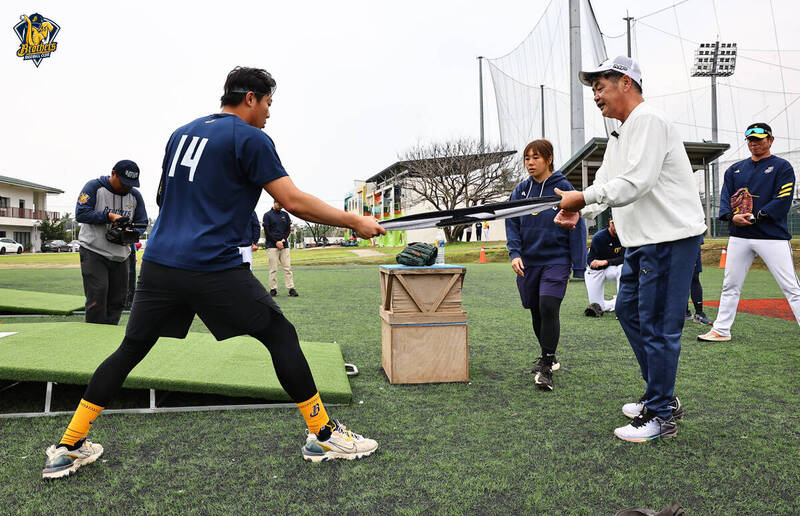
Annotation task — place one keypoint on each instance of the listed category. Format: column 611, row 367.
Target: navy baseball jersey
column 771, row 182
column 213, row 173
column 606, row 247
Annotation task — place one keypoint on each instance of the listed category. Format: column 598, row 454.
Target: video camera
column 123, row 232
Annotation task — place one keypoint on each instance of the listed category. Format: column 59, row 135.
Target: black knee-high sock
column 108, row 378
column 290, row 364
column 549, row 308
column 536, row 321
column 697, row 293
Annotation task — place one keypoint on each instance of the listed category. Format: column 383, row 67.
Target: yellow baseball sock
column 81, row 422
column 314, row 413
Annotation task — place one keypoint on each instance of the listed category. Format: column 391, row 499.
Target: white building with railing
column 22, row 205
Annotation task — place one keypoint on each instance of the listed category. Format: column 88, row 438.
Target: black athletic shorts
column 230, row 302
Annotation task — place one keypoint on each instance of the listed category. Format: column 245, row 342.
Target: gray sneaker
column 62, row 462
column 646, row 427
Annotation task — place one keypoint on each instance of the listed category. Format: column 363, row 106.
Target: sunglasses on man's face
column 756, row 130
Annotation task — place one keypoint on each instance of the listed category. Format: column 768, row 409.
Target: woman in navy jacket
column 542, row 254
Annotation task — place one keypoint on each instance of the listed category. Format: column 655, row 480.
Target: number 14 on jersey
column 191, row 157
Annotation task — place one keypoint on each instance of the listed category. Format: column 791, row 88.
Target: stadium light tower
column 714, row 60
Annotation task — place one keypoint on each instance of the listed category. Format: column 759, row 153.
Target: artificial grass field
column 69, row 352
column 29, row 302
column 494, row 446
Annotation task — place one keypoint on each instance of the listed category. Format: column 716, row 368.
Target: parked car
column 56, row 246
column 9, row 246
column 75, row 245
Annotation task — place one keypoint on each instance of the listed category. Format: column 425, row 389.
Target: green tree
column 53, row 229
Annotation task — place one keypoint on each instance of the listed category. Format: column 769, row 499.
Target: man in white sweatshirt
column 646, row 179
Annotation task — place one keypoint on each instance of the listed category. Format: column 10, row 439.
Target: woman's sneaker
column 335, row 441
column 647, row 426
column 63, row 462
column 701, row 318
column 541, row 362
column 634, row 409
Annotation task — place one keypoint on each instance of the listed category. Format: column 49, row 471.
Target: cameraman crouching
column 112, row 216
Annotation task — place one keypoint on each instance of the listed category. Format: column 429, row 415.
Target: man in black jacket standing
column 604, row 263
column 277, row 226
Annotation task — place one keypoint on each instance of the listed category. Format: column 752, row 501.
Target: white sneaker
column 62, row 462
column 613, row 303
column 647, row 426
column 713, row 336
column 342, row 444
column 634, row 409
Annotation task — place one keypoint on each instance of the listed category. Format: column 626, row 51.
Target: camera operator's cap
column 128, row 172
column 622, row 64
column 758, row 130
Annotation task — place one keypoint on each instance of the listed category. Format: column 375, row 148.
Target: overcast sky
column 358, row 81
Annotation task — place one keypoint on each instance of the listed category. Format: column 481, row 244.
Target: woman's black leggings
column 546, row 323
column 697, row 292
column 280, row 338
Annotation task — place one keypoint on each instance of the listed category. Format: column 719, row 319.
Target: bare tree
column 318, row 231
column 457, row 174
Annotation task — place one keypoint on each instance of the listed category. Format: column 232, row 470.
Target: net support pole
column 714, row 131
column 480, row 95
column 541, row 89
column 576, row 88
column 628, row 20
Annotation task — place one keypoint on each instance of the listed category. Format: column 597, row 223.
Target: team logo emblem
column 769, row 169
column 736, row 171
column 315, row 410
column 83, row 198
column 37, row 36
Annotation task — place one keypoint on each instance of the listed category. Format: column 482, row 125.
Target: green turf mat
column 28, row 302
column 70, row 352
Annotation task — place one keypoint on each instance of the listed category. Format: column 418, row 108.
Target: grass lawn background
column 494, row 446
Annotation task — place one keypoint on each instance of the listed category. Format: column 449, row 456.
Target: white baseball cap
column 622, row 64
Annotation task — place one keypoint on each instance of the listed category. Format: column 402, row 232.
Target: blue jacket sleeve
column 513, row 238
column 577, row 249
column 778, row 207
column 725, row 196
column 140, row 213
column 84, row 209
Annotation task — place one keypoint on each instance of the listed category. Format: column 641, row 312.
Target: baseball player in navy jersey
column 214, row 171
column 764, row 232
column 603, row 263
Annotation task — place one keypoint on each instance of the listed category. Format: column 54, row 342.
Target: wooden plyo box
column 423, row 327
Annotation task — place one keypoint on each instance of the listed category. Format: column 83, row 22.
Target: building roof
column 28, row 184
column 700, row 154
column 403, row 165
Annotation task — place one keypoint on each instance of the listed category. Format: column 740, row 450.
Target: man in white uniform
column 770, row 181
column 646, row 179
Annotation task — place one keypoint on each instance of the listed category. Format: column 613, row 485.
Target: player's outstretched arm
column 310, row 208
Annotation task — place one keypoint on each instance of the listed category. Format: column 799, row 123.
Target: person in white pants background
column 604, row 263
column 764, row 232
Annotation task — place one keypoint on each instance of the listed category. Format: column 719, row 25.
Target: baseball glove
column 418, row 254
column 741, row 202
